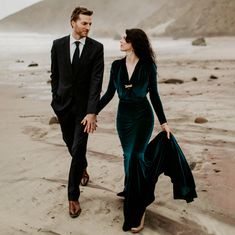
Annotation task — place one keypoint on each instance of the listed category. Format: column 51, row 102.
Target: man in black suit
column 77, row 65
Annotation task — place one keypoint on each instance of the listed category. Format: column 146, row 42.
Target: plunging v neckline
column 129, row 78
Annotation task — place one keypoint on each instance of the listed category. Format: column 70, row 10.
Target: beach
column 35, row 162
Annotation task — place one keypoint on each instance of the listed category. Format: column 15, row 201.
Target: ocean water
column 18, row 50
column 30, row 47
column 21, row 43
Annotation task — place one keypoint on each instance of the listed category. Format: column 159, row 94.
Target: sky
column 11, row 6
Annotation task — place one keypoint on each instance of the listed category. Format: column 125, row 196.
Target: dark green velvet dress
column 144, row 161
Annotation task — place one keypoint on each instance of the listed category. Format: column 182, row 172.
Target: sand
column 35, row 162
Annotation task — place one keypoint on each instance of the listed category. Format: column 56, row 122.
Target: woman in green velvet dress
column 133, row 77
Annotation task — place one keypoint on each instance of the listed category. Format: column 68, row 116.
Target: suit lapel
column 67, row 54
column 86, row 49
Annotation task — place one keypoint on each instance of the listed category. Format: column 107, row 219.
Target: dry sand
column 34, row 161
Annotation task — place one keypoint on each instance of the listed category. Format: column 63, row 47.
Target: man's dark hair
column 80, row 10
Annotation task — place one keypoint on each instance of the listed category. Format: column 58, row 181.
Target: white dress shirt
column 73, row 46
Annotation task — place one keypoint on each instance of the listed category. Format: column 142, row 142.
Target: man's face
column 82, row 26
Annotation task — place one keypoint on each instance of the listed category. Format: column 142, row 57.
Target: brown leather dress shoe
column 85, row 178
column 74, row 209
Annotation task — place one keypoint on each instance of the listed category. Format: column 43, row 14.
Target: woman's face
column 125, row 46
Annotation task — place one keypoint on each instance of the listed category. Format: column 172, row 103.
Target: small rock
column 204, row 190
column 199, row 42
column 48, row 71
column 200, row 120
column 49, row 81
column 19, row 61
column 213, row 77
column 194, row 79
column 216, row 68
column 33, row 64
column 53, row 120
column 173, row 81
column 216, row 170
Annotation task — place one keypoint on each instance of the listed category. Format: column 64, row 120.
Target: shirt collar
column 73, row 40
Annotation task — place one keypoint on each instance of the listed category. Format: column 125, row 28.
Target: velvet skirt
column 144, row 161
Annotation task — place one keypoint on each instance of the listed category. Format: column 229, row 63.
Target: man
column 77, row 66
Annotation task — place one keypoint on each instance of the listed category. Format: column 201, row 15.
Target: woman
column 133, row 77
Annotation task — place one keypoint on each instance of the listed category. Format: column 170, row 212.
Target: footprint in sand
column 103, row 208
column 35, row 133
column 117, row 219
column 166, row 225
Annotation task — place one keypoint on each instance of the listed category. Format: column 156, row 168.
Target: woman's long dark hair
column 140, row 44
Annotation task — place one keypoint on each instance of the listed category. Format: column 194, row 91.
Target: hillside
column 187, row 18
column 176, row 18
column 52, row 16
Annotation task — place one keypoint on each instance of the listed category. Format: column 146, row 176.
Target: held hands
column 89, row 121
column 167, row 129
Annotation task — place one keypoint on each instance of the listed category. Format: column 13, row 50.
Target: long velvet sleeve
column 107, row 97
column 154, row 96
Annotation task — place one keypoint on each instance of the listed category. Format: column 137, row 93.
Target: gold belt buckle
column 128, row 86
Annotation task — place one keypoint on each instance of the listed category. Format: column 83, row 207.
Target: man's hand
column 89, row 121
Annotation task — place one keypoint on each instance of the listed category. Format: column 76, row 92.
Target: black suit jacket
column 82, row 87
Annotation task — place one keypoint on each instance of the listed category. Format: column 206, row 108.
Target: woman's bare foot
column 140, row 227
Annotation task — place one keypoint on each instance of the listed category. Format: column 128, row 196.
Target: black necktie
column 75, row 60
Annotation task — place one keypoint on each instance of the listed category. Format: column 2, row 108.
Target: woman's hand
column 167, row 129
